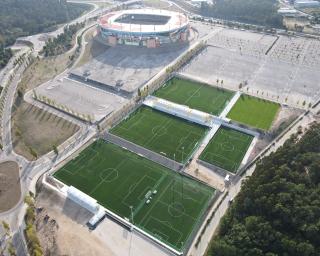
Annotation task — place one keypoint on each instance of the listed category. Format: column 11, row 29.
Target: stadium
column 144, row 27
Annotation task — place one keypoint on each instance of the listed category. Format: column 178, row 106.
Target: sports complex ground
column 119, row 179
column 195, row 95
column 254, row 112
column 165, row 134
column 227, row 149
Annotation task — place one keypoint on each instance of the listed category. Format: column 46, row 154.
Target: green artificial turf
column 168, row 135
column 227, row 149
column 195, row 95
column 254, row 112
column 118, row 179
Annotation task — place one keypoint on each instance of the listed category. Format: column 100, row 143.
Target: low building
column 306, row 4
column 288, row 12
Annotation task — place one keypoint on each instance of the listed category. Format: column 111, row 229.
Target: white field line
column 230, row 105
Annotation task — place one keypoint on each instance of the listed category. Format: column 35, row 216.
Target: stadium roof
column 176, row 21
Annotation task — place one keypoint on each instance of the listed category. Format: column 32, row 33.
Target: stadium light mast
column 131, row 212
column 182, row 152
column 131, row 207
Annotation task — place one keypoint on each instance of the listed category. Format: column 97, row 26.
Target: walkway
column 178, row 110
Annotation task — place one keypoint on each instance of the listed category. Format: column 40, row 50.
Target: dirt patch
column 10, row 190
column 284, row 118
column 63, row 235
column 44, row 69
column 35, row 131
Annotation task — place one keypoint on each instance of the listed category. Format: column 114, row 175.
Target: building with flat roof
column 306, row 4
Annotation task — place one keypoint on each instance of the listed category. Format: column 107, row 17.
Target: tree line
column 277, row 211
column 63, row 42
column 258, row 12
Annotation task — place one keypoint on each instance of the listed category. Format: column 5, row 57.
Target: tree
column 55, row 149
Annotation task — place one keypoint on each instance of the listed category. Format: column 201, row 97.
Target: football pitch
column 254, row 112
column 195, row 95
column 165, row 134
column 227, row 149
column 121, row 180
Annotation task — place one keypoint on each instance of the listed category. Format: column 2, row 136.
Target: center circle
column 109, row 174
column 176, row 209
column 159, row 130
column 227, row 146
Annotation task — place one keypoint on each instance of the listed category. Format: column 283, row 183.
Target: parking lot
column 126, row 68
column 281, row 69
column 81, row 98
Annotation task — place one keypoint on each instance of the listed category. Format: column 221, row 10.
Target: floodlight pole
column 182, row 152
column 131, row 207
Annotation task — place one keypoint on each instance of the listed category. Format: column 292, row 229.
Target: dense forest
column 62, row 42
column 26, row 17
column 259, row 12
column 277, row 211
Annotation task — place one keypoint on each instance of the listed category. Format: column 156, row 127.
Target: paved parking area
column 278, row 68
column 81, row 98
column 128, row 67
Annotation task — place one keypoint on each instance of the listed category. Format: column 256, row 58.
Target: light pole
column 131, row 207
column 131, row 229
column 182, row 152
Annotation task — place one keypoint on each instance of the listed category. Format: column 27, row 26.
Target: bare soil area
column 61, row 229
column 35, row 131
column 283, row 119
column 10, row 189
column 44, row 69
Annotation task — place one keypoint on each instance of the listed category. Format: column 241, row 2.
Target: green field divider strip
column 146, row 153
column 195, row 148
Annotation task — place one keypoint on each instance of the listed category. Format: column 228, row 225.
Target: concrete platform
column 126, row 68
column 284, row 70
column 81, row 98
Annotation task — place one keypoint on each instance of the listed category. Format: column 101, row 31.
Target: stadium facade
column 144, row 27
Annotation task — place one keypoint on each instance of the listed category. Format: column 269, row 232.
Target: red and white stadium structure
column 144, row 27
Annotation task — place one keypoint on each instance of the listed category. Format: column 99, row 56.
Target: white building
column 306, row 4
